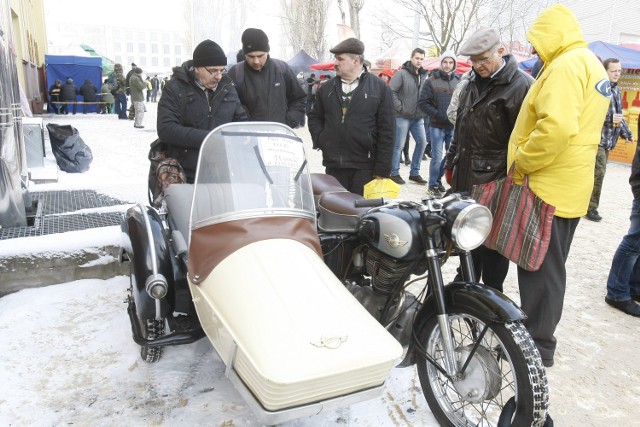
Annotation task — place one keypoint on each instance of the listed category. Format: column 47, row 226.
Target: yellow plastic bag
column 384, row 188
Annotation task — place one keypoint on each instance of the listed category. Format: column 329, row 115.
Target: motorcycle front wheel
column 151, row 329
column 503, row 364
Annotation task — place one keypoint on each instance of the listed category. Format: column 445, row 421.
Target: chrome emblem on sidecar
column 332, row 342
column 394, row 241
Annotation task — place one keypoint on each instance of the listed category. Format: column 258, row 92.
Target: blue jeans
column 440, row 142
column 416, row 127
column 624, row 276
column 121, row 105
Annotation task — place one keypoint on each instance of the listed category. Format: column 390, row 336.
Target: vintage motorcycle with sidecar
column 306, row 291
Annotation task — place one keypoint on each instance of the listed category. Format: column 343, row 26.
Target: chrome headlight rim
column 472, row 212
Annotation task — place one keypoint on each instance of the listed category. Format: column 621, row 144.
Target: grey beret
column 482, row 40
column 350, row 45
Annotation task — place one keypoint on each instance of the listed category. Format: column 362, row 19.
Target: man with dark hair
column 352, row 121
column 435, row 97
column 405, row 88
column 615, row 126
column 267, row 87
column 488, row 106
column 198, row 98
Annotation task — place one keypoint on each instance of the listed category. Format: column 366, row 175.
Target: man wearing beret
column 267, row 87
column 198, row 98
column 487, row 110
column 353, row 120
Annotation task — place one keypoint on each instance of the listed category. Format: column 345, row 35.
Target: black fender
column 142, row 248
column 472, row 298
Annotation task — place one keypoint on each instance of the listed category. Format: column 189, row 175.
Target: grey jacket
column 405, row 87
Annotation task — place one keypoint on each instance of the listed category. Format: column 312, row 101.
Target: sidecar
column 293, row 338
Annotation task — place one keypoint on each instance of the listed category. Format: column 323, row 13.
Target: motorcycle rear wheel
column 505, row 365
column 151, row 328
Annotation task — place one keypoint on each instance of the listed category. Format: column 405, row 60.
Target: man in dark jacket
column 487, row 111
column 405, row 87
column 623, row 284
column 352, row 121
column 435, row 97
column 118, row 85
column 198, row 98
column 68, row 93
column 88, row 91
column 267, row 87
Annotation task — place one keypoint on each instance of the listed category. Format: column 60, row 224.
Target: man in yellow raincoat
column 554, row 142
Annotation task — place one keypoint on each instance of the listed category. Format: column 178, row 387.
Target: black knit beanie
column 253, row 40
column 208, row 53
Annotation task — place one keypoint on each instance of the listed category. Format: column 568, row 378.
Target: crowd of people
column 555, row 127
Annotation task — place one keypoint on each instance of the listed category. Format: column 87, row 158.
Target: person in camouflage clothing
column 118, row 85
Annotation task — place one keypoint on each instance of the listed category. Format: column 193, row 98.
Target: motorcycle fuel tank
column 393, row 231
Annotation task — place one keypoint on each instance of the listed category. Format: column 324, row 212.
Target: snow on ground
column 68, row 356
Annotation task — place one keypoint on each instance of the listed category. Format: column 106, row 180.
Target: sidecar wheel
column 151, row 328
column 505, row 366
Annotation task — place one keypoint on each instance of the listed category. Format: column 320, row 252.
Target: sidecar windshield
column 248, row 170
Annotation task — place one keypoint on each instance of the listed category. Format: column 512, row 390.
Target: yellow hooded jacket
column 556, row 135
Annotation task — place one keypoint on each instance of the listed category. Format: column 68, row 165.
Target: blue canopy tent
column 79, row 68
column 630, row 58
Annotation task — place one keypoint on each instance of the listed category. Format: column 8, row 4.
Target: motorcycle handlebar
column 369, row 203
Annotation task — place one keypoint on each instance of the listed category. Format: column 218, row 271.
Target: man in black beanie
column 198, row 98
column 268, row 88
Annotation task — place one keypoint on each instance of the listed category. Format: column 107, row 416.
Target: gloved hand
column 448, row 175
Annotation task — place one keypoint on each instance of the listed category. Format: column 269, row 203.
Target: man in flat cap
column 487, row 110
column 198, row 98
column 353, row 120
column 268, row 88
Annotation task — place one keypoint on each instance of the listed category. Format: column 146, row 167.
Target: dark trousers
column 542, row 292
column 351, row 179
column 598, row 177
column 489, row 267
column 121, row 105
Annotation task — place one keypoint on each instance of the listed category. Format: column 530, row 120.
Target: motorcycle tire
column 151, row 328
column 505, row 365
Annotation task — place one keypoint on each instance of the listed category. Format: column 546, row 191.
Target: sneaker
column 593, row 216
column 397, row 179
column 418, row 179
column 433, row 191
column 441, row 187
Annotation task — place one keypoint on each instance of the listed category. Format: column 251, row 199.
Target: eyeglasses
column 480, row 61
column 214, row 72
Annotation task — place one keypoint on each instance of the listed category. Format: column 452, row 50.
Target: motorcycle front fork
column 437, row 283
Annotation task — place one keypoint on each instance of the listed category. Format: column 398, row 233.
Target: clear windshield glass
column 249, row 170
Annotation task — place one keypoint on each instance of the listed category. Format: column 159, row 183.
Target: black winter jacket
column 88, row 91
column 478, row 152
column 185, row 116
column 68, row 92
column 271, row 94
column 435, row 97
column 365, row 138
column 405, row 88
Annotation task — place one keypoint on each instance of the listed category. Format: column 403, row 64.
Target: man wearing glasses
column 198, row 98
column 268, row 88
column 487, row 111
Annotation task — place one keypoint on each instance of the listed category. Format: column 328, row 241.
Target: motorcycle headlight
column 468, row 224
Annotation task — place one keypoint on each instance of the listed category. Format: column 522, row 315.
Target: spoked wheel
column 505, row 364
column 151, row 328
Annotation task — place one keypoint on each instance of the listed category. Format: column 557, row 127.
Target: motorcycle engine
column 385, row 271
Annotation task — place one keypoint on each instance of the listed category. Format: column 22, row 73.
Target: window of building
column 119, row 59
column 142, row 48
column 178, row 61
column 117, row 46
column 130, row 47
column 153, row 36
column 154, row 61
column 166, row 62
column 129, row 34
column 129, row 59
column 178, row 50
column 165, row 37
column 166, row 49
column 141, row 35
column 143, row 61
column 154, row 48
column 116, row 34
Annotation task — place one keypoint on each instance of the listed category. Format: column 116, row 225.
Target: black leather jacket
column 478, row 152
